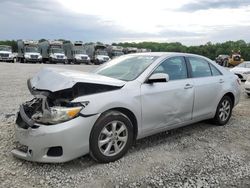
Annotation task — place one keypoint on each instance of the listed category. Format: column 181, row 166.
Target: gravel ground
column 199, row 155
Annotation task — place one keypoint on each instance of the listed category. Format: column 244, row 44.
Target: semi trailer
column 130, row 50
column 6, row 54
column 76, row 52
column 97, row 53
column 28, row 51
column 52, row 51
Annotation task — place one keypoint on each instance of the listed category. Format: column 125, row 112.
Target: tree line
column 210, row 50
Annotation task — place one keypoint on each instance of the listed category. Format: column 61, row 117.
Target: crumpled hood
column 55, row 79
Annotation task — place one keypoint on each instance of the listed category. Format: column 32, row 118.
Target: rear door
column 167, row 103
column 208, row 82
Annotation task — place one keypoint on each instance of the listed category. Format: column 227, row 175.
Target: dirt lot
column 199, row 155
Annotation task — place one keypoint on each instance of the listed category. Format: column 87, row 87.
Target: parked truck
column 97, row 53
column 28, row 51
column 6, row 54
column 52, row 51
column 130, row 50
column 76, row 52
column 115, row 51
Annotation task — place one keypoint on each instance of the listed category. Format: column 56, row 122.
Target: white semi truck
column 28, row 51
column 6, row 54
column 76, row 52
column 98, row 53
column 52, row 51
column 115, row 51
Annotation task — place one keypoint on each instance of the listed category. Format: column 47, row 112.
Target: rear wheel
column 111, row 137
column 224, row 111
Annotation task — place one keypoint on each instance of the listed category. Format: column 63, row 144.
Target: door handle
column 221, row 81
column 188, row 86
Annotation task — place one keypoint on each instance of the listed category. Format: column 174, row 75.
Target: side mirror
column 158, row 77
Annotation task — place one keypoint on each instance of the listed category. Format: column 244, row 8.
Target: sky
column 191, row 22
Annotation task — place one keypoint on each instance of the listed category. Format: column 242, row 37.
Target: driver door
column 167, row 103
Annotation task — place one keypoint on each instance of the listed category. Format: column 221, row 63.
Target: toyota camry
column 104, row 112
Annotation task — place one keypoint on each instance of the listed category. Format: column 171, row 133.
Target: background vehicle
column 247, row 86
column 115, row 51
column 235, row 59
column 130, row 50
column 28, row 51
column 76, row 52
column 52, row 51
column 104, row 112
column 97, row 53
column 222, row 60
column 242, row 70
column 6, row 54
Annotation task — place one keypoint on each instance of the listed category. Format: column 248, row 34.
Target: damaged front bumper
column 52, row 143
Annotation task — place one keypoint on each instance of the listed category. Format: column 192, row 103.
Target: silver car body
column 157, row 107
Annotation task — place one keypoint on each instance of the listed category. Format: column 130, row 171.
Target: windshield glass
column 31, row 49
column 57, row 50
column 80, row 51
column 101, row 52
column 5, row 48
column 117, row 53
column 126, row 68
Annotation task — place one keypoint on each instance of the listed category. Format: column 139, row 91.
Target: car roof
column 164, row 54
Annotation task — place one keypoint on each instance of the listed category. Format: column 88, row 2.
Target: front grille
column 4, row 55
column 59, row 57
column 84, row 58
column 34, row 56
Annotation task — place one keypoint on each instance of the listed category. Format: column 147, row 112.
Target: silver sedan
column 102, row 113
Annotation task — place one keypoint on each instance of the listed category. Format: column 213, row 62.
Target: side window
column 215, row 71
column 175, row 67
column 200, row 67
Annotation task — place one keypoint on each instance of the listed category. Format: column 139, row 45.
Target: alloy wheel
column 113, row 138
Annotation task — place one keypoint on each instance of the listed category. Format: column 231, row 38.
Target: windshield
column 31, row 49
column 117, row 53
column 126, row 68
column 80, row 51
column 57, row 50
column 5, row 48
column 101, row 52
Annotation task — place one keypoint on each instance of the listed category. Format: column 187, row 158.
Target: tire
column 248, row 94
column 111, row 137
column 223, row 111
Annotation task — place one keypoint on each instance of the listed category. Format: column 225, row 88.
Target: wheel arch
column 231, row 95
column 129, row 114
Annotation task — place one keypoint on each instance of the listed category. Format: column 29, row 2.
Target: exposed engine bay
column 50, row 108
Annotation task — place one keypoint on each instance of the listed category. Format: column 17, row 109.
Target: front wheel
column 111, row 137
column 224, row 111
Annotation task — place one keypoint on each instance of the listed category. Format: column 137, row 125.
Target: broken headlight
column 58, row 114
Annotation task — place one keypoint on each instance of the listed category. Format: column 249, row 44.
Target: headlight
column 57, row 114
column 61, row 114
column 53, row 56
column 27, row 56
column 39, row 57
